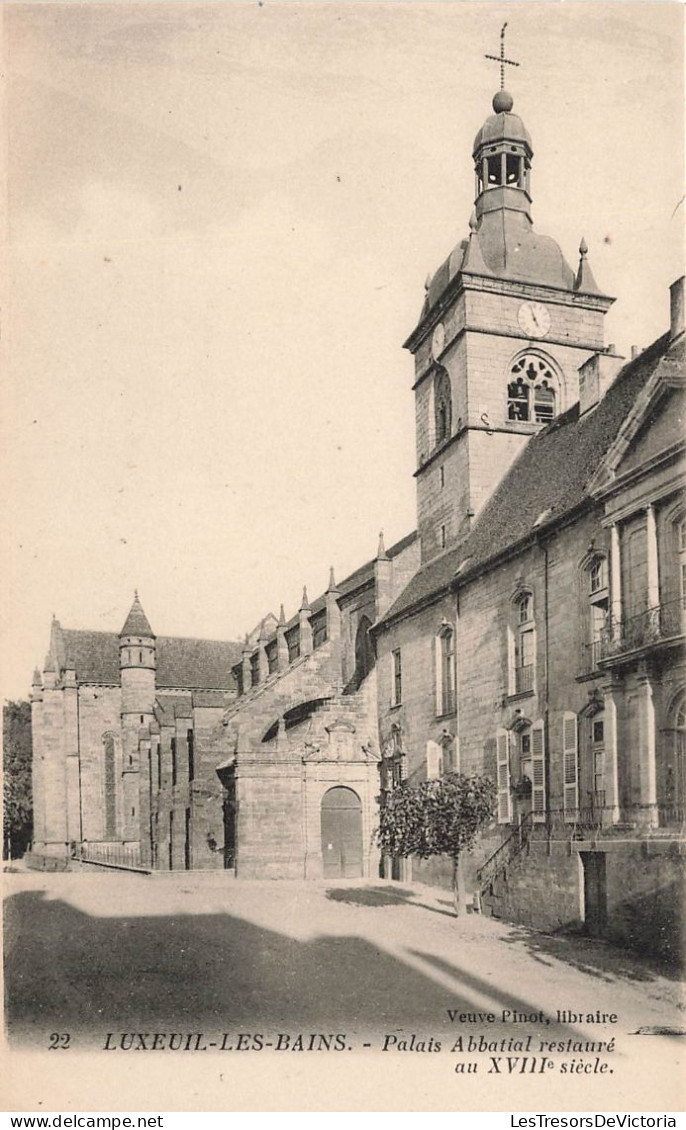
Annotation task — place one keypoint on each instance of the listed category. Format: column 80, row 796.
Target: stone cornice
column 512, row 288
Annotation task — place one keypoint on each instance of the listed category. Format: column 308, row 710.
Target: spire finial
column 381, row 554
column 282, row 616
column 502, row 61
column 332, row 586
column 584, row 280
column 305, row 604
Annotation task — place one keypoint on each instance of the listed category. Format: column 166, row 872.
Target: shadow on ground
column 383, row 896
column 594, row 956
column 68, row 971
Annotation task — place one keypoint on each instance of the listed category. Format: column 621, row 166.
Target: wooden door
column 595, row 892
column 341, row 834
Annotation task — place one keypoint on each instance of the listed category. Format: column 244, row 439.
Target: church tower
column 137, row 664
column 505, row 326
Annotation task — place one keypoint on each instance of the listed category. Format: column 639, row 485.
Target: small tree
column 16, row 767
column 438, row 817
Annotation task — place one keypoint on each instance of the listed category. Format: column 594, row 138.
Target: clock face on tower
column 437, row 340
column 534, row 319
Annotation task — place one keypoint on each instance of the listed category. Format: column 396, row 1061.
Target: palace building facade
column 532, row 628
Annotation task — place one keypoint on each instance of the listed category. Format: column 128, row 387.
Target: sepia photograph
column 344, row 549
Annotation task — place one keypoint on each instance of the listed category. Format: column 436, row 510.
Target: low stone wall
column 645, row 895
column 543, row 888
column 36, row 862
column 539, row 888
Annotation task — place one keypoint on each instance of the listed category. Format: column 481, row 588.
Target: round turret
column 137, row 662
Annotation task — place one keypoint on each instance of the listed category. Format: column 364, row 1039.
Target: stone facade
column 553, row 551
column 532, row 629
column 261, row 758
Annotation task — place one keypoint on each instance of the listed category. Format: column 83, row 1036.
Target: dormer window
column 531, row 390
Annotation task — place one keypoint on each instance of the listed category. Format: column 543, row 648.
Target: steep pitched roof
column 137, row 623
column 192, row 663
column 550, row 477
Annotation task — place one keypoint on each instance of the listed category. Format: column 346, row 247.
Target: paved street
column 91, row 953
column 376, row 965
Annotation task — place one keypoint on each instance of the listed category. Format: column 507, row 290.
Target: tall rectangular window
column 173, row 759
column 446, row 671
column 191, row 755
column 397, row 688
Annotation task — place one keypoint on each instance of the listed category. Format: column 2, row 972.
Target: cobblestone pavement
column 371, row 963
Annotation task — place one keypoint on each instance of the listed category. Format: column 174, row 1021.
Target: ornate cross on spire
column 501, row 58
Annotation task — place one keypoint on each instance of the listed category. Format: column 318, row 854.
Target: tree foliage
column 439, row 817
column 16, row 786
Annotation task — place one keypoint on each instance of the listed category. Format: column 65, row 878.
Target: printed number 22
column 58, row 1040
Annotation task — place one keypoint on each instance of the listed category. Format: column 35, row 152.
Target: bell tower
column 506, row 324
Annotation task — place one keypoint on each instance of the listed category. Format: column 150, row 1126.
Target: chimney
column 595, row 377
column 676, row 308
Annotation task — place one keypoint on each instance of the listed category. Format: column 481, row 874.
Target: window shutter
column 433, row 760
column 538, row 770
column 503, row 762
column 570, row 765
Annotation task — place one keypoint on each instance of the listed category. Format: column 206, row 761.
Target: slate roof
column 181, row 662
column 549, row 477
column 137, row 623
column 169, row 707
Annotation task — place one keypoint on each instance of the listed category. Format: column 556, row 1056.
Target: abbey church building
column 531, row 628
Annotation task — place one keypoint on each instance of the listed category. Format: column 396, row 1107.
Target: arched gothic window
column 364, row 650
column 532, row 390
column 442, row 406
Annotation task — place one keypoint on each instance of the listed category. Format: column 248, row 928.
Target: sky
column 219, row 222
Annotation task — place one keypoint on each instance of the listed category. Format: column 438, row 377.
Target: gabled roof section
column 196, row 664
column 668, row 375
column 185, row 663
column 549, row 480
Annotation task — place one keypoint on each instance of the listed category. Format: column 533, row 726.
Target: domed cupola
column 502, row 160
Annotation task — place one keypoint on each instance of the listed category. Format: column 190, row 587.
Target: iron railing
column 595, row 815
column 508, row 850
column 665, row 621
column 123, row 856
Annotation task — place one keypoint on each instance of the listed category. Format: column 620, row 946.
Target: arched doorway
column 341, row 834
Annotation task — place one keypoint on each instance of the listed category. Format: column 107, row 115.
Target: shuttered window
column 570, row 765
column 538, row 798
column 503, row 766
